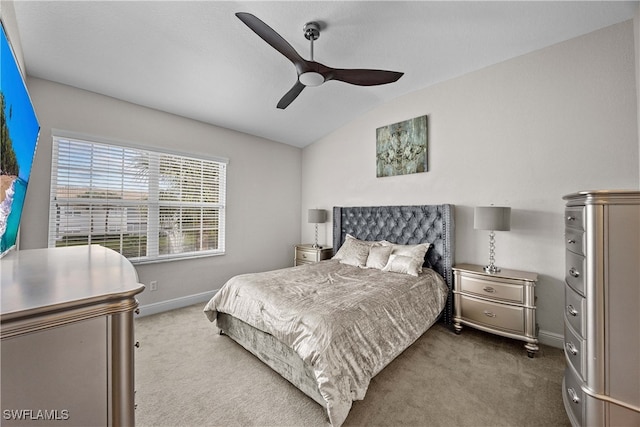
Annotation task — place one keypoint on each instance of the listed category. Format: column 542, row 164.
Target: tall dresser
column 67, row 337
column 602, row 308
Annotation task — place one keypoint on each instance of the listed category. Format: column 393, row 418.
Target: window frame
column 154, row 202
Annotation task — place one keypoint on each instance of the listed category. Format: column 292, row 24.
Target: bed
column 330, row 327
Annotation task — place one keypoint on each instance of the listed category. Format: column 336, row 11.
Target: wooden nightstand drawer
column 307, row 254
column 485, row 287
column 506, row 317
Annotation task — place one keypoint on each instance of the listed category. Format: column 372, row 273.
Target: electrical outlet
column 153, row 285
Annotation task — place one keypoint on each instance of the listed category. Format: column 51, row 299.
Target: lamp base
column 315, row 242
column 491, row 269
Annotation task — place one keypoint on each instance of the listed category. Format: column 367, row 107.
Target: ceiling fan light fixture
column 311, row 78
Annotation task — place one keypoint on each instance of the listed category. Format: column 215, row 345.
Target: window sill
column 175, row 258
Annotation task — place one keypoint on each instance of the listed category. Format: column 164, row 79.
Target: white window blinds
column 146, row 205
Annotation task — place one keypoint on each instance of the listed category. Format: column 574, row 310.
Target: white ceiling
column 196, row 59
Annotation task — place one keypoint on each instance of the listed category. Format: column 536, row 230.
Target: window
column 146, row 205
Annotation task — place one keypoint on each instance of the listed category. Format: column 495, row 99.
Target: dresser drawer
column 575, row 271
column 307, row 255
column 573, row 396
column 485, row 287
column 574, row 349
column 495, row 315
column 574, row 217
column 574, row 307
column 574, row 241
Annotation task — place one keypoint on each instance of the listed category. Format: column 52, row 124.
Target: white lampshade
column 494, row 218
column 317, row 216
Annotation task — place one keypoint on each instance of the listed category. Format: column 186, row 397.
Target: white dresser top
column 43, row 281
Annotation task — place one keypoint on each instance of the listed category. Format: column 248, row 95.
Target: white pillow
column 353, row 251
column 416, row 252
column 378, row 256
column 403, row 264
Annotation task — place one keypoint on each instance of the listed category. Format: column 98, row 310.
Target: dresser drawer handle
column 304, row 255
column 575, row 273
column 571, row 348
column 571, row 241
column 572, row 311
column 489, row 289
column 571, row 218
column 489, row 314
column 573, row 395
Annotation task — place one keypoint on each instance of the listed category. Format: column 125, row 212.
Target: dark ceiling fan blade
column 291, row 95
column 269, row 35
column 362, row 77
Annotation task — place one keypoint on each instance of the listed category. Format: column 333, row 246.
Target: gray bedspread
column 346, row 322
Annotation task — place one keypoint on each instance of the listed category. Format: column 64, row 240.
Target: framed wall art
column 401, row 148
column 18, row 141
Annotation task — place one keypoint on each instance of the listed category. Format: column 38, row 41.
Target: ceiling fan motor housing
column 311, row 30
column 311, row 78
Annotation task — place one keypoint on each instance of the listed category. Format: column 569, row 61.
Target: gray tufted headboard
column 405, row 225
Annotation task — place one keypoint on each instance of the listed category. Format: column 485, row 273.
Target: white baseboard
column 172, row 304
column 551, row 339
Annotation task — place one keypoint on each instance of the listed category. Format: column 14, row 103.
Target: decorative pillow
column 416, row 252
column 403, row 264
column 344, row 248
column 378, row 256
column 353, row 251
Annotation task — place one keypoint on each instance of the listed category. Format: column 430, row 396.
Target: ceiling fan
column 311, row 73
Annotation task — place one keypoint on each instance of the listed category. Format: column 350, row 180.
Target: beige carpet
column 188, row 375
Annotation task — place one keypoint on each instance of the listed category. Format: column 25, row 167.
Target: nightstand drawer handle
column 573, row 395
column 489, row 314
column 572, row 311
column 571, row 348
column 304, row 255
column 488, row 289
column 574, row 272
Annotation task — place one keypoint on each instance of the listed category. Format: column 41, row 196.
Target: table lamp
column 317, row 216
column 492, row 218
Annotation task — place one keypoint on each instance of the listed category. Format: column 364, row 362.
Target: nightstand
column 502, row 303
column 307, row 254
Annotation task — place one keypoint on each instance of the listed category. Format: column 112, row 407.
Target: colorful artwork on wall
column 18, row 140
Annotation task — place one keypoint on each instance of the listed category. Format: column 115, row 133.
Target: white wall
column 263, row 185
column 8, row 15
column 521, row 133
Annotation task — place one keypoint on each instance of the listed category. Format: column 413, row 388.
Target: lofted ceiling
column 197, row 60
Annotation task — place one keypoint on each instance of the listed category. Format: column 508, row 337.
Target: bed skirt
column 273, row 353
